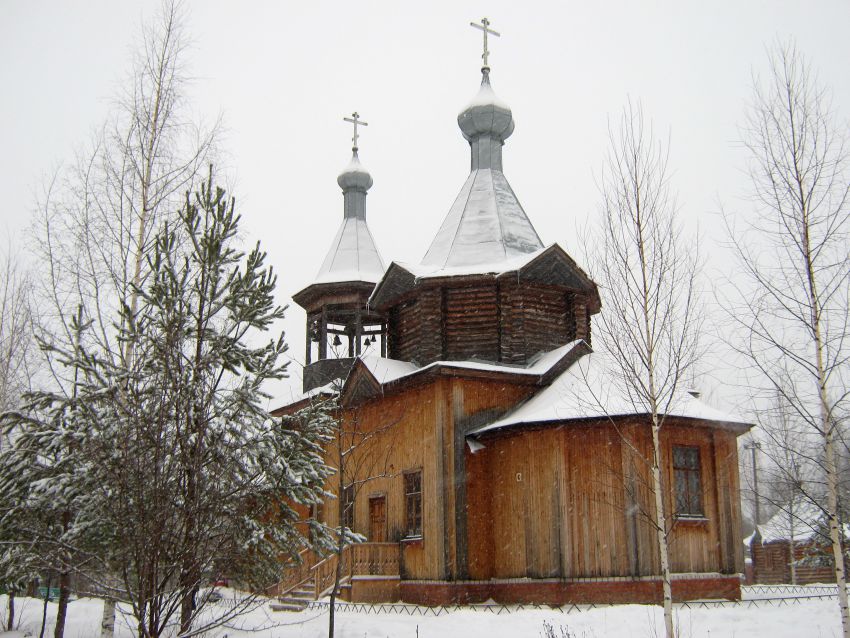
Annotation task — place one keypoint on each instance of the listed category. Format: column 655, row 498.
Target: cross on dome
column 485, row 27
column 355, row 120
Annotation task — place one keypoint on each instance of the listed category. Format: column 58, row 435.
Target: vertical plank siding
column 693, row 543
column 583, row 505
column 415, row 430
column 572, row 500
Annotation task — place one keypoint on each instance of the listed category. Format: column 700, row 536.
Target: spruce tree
column 187, row 478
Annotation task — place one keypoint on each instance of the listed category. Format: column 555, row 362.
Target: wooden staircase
column 296, row 599
column 313, row 577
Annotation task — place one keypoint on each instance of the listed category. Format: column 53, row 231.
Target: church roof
column 371, row 374
column 352, row 256
column 551, row 265
column 486, row 223
column 301, row 400
column 588, row 390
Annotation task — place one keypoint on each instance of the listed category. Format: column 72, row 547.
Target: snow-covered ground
column 810, row 618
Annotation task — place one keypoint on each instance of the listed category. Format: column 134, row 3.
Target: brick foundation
column 560, row 592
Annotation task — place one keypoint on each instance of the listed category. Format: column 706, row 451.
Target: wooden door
column 377, row 519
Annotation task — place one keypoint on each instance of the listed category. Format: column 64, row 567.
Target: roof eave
column 483, row 431
column 307, row 296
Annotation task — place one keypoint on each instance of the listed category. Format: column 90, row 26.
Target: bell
column 337, row 340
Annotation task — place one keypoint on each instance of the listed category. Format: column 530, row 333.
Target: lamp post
column 753, row 446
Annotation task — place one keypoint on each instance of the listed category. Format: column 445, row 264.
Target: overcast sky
column 284, row 74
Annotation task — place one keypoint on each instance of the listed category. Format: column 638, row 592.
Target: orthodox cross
column 355, row 119
column 485, row 27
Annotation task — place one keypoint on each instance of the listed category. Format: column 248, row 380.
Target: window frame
column 689, row 477
column 413, row 516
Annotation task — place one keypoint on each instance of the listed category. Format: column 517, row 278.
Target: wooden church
column 490, row 458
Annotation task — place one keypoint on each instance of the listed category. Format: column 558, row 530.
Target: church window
column 348, row 507
column 413, row 503
column 687, row 481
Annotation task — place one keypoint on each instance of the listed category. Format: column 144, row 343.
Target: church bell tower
column 340, row 325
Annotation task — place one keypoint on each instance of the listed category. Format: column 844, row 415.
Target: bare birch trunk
column 340, row 546
column 661, row 532
column 827, row 423
column 834, row 529
column 337, row 575
column 107, row 619
column 791, row 558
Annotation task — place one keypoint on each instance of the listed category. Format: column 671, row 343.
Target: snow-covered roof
column 800, row 517
column 485, row 225
column 329, row 389
column 550, row 265
column 385, row 370
column 589, row 389
column 498, row 267
column 388, row 370
column 353, row 255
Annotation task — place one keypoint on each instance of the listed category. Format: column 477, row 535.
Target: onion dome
column 353, row 255
column 354, row 176
column 486, row 114
column 486, row 225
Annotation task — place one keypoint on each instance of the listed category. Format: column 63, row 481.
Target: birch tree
column 18, row 364
column 97, row 218
column 358, row 459
column 788, row 478
column 650, row 322
column 18, row 351
column 793, row 264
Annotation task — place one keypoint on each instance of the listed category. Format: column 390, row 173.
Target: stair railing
column 296, row 573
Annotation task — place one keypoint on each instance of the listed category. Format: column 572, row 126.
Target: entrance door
column 377, row 519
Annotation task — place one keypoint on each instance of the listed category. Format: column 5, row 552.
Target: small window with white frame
column 687, row 482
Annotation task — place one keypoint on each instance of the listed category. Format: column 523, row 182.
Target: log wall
column 771, row 564
column 470, row 319
column 507, row 321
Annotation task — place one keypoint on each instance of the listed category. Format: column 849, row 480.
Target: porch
column 369, row 572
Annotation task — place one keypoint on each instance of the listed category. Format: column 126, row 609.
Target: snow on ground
column 811, row 618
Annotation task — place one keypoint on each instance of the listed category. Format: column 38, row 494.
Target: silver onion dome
column 486, row 114
column 354, row 176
